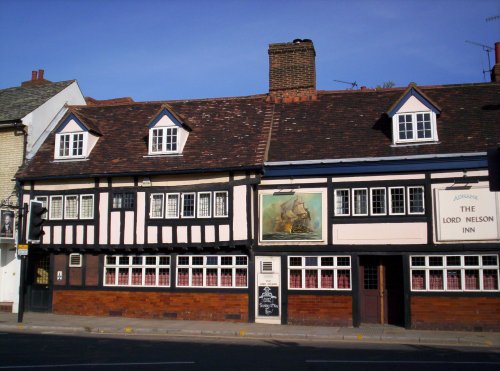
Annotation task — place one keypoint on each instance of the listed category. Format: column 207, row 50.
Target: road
column 26, row 351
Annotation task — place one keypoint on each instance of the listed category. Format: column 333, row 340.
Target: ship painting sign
column 292, row 217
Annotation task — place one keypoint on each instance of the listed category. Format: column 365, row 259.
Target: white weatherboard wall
column 43, row 119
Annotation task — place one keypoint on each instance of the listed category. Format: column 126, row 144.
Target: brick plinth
column 455, row 313
column 183, row 306
column 320, row 310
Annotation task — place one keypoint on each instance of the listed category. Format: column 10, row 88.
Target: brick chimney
column 36, row 79
column 495, row 72
column 292, row 71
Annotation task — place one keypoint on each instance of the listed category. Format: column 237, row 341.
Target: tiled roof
column 226, row 134
column 353, row 124
column 234, row 132
column 15, row 103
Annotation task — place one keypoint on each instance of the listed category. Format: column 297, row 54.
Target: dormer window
column 414, row 118
column 71, row 145
column 164, row 140
column 167, row 133
column 74, row 140
column 415, row 126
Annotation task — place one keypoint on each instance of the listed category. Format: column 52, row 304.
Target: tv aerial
column 353, row 84
column 488, row 49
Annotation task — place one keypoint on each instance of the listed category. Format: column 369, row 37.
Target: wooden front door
column 381, row 290
column 370, row 303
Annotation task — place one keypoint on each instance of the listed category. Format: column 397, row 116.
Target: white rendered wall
column 380, row 234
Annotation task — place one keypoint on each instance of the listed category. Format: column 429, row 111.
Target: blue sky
column 156, row 50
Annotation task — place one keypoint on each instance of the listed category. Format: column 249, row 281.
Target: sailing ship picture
column 296, row 217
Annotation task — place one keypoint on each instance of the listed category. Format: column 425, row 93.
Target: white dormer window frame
column 71, row 145
column 164, row 140
column 414, row 127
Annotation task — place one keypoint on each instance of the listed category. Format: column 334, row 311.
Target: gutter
column 258, row 168
column 372, row 159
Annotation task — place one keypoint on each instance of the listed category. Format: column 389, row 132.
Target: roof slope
column 226, row 133
column 15, row 103
column 354, row 124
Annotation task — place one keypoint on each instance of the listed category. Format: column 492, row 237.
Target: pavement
column 57, row 323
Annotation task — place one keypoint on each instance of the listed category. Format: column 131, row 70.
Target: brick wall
column 320, row 310
column 292, row 71
column 456, row 313
column 185, row 306
column 12, row 144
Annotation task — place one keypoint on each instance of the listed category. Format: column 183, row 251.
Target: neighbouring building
column 294, row 207
column 28, row 113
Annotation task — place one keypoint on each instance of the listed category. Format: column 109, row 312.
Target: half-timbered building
column 294, row 207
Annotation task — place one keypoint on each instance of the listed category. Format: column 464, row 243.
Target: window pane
column 436, row 261
column 360, row 197
column 471, row 260
column 378, row 201
column 87, row 206
column 204, row 205
column 417, row 280
column 56, row 203
column 436, row 280
column 188, row 205
column 397, row 200
column 241, row 277
column 453, row 261
column 164, row 277
column 117, row 201
column 424, row 126
column 311, row 261
column 405, row 127
column 327, row 262
column 64, row 145
column 490, row 279
column 128, row 200
column 171, row 139
column 417, row 261
column 295, row 279
column 183, row 277
column 172, row 205
column 342, row 202
column 220, row 204
column 327, row 279
column 344, row 279
column 454, row 279
column 150, row 277
column 311, row 279
column 197, row 277
column 157, row 206
column 472, row 279
column 212, row 277
column 71, row 207
column 416, row 200
column 226, row 277
column 157, row 140
column 344, row 261
column 77, row 144
column 490, row 260
column 295, row 261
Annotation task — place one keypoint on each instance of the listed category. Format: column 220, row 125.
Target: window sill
column 71, row 159
column 163, row 155
column 413, row 144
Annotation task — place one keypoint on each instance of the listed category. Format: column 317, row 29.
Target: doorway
column 38, row 285
column 381, row 290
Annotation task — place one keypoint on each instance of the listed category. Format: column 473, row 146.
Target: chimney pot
column 40, row 74
column 33, row 75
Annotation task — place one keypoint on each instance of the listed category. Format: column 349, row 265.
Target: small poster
column 6, row 224
column 268, row 301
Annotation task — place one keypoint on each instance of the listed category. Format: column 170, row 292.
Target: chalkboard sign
column 269, row 301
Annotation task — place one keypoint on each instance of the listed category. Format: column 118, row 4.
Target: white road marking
column 102, row 364
column 404, row 362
